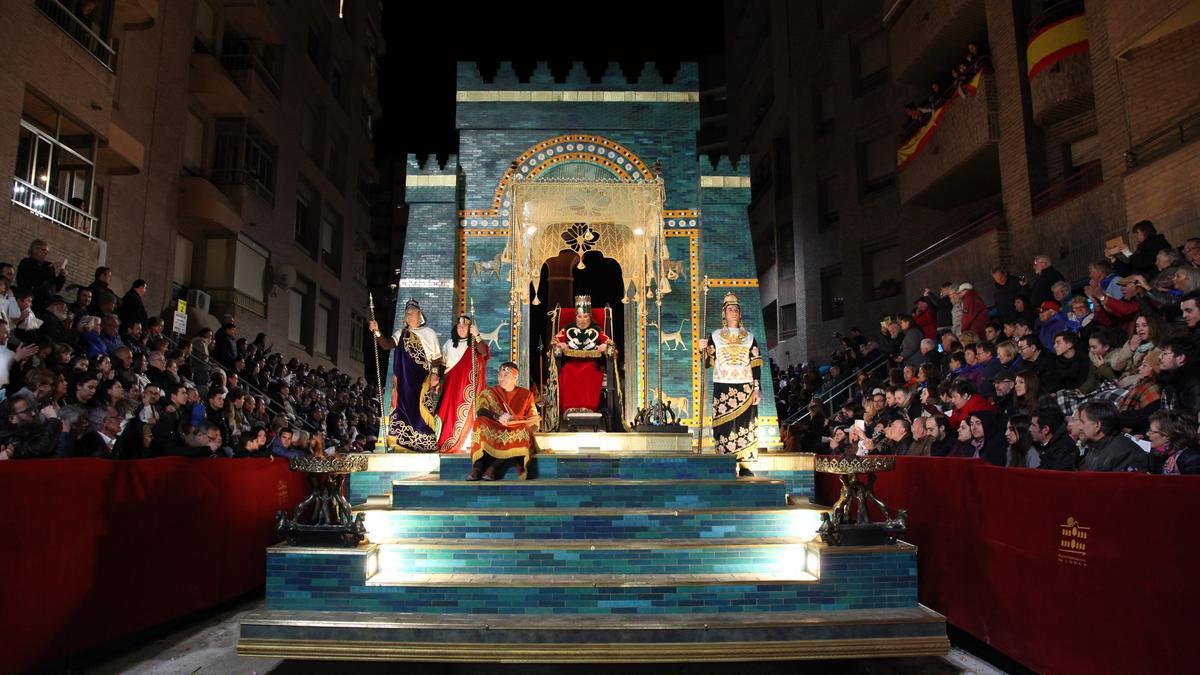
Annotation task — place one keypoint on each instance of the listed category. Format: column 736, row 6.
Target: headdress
column 730, row 300
column 413, row 304
column 583, row 303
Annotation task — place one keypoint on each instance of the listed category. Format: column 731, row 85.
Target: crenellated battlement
column 724, row 167
column 431, row 166
column 649, row 78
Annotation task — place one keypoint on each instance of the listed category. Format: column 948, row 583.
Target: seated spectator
column 1172, row 436
column 896, row 440
column 966, row 402
column 1055, row 447
column 1049, row 323
column 1127, row 360
column 104, row 439
column 25, row 435
column 1026, row 392
column 83, row 389
column 1105, row 448
column 1071, row 371
column 1100, row 358
column 1179, row 376
column 282, row 445
column 1021, row 453
column 922, row 439
column 253, row 444
column 987, row 439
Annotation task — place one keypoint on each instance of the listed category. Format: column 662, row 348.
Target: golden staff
column 383, row 420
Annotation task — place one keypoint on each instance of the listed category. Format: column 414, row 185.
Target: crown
column 412, row 304
column 731, row 300
column 583, row 303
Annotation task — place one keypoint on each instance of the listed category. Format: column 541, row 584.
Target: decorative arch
column 619, row 160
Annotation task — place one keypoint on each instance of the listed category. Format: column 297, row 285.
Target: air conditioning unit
column 199, row 300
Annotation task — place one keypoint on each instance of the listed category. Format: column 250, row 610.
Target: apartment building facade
column 1077, row 130
column 219, row 149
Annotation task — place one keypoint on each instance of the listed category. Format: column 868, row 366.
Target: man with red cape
column 504, row 423
column 582, row 348
column 466, row 358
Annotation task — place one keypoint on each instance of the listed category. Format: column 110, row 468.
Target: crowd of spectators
column 96, row 376
column 1101, row 375
column 917, row 113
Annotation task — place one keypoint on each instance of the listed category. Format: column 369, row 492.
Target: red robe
column 497, row 440
column 460, row 386
column 581, row 375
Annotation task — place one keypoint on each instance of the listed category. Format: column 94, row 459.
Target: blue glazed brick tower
column 455, row 256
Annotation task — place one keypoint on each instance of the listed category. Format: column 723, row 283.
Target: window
column 763, row 236
column 244, row 156
column 881, row 272
column 823, row 116
column 325, row 325
column 787, row 252
column 771, row 324
column 339, row 149
column 787, row 321
column 357, row 333
column 870, row 58
column 877, row 164
column 182, row 275
column 193, row 144
column 304, row 216
column 833, row 300
column 827, row 213
column 55, row 169
column 206, row 28
column 297, row 301
column 309, row 131
column 250, row 268
column 330, row 251
column 1083, row 151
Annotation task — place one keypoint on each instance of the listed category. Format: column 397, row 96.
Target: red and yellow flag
column 1055, row 42
column 915, row 143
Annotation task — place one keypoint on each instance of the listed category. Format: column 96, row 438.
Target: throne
column 607, row 416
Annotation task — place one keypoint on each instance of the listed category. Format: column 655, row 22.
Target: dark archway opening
column 561, row 280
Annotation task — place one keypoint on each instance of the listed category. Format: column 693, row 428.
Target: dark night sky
column 417, row 78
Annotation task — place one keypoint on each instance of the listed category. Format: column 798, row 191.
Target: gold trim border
column 733, row 283
column 673, row 652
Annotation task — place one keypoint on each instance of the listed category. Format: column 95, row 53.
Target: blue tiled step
column 598, row 557
column 599, row 493
column 351, row 580
column 385, row 525
column 637, row 467
column 696, row 637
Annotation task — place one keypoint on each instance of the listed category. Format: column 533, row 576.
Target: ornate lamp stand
column 841, row 528
column 324, row 518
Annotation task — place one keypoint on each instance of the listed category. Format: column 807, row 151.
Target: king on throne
column 580, row 347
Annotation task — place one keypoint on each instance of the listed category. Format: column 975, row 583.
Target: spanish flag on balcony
column 915, row 143
column 1055, row 42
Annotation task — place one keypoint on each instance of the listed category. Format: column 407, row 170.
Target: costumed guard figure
column 466, row 358
column 504, row 424
column 735, row 385
column 416, row 375
column 582, row 348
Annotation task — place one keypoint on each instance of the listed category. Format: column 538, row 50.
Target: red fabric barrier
column 1116, row 593
column 96, row 550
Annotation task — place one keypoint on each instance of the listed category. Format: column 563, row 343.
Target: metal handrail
column 1085, row 177
column 1163, row 142
column 78, row 31
column 46, row 205
column 973, row 228
column 249, row 59
column 840, row 388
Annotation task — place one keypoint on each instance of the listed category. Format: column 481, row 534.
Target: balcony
column 965, row 254
column 136, row 14
column 248, row 63
column 203, row 204
column 1163, row 142
column 82, row 32
column 960, row 161
column 253, row 19
column 1083, row 179
column 121, row 154
column 1132, row 25
column 244, row 160
column 45, row 205
column 930, row 36
column 212, row 85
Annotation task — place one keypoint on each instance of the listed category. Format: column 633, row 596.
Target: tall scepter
column 382, row 433
column 703, row 361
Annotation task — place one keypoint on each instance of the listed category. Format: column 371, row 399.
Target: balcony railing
column 247, row 178
column 46, row 205
column 981, row 225
column 74, row 27
column 1164, row 142
column 236, row 298
column 244, row 57
column 1086, row 177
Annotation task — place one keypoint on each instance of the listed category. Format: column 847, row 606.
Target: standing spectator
column 974, row 310
column 925, row 317
column 225, row 352
column 1149, row 243
column 1105, row 448
column 1006, row 291
column 80, row 308
column 132, row 309
column 1045, row 276
column 102, row 295
column 39, row 275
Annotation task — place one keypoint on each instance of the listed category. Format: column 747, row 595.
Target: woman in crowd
column 1128, row 359
column 1021, row 452
column 1025, row 392
column 1172, row 437
column 987, row 439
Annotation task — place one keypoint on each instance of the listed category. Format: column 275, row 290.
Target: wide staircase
column 599, row 558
